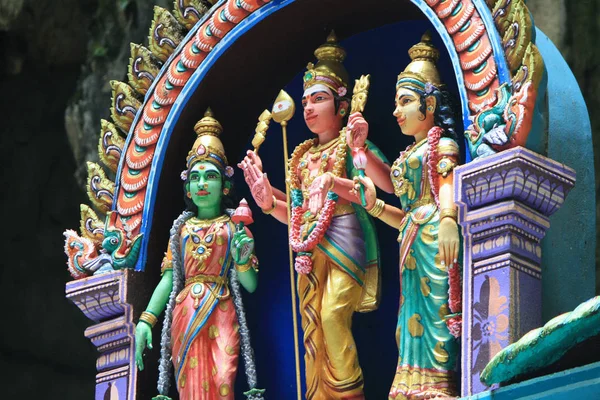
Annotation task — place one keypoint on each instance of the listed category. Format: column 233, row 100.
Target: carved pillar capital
column 110, row 300
column 505, row 202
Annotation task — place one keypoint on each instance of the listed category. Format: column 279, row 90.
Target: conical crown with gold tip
column 208, row 146
column 422, row 69
column 330, row 70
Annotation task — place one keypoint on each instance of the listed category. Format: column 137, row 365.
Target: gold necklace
column 307, row 179
column 294, row 163
column 320, row 147
column 205, row 223
column 412, row 149
column 201, row 247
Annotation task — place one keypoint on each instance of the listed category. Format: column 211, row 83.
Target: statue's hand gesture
column 262, row 192
column 357, row 130
column 370, row 191
column 317, row 192
column 143, row 339
column 257, row 181
column 242, row 247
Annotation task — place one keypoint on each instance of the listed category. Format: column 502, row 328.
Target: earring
column 189, row 195
column 343, row 112
column 226, row 191
column 430, row 108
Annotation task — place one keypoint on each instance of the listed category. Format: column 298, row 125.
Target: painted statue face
column 205, row 185
column 408, row 113
column 319, row 110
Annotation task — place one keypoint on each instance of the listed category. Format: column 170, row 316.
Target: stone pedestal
column 110, row 300
column 505, row 202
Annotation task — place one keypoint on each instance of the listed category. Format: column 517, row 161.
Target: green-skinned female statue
column 429, row 318
column 204, row 316
column 337, row 255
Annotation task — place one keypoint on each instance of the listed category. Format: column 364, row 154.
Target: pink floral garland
column 433, row 139
column 304, row 264
column 454, row 323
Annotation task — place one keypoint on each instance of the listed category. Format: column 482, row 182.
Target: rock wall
column 55, row 55
column 574, row 27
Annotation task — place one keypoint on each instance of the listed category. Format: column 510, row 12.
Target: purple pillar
column 505, row 202
column 109, row 300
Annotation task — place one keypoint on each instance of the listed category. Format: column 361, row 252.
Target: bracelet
column 332, row 181
column 449, row 212
column 377, row 209
column 269, row 211
column 149, row 318
column 244, row 267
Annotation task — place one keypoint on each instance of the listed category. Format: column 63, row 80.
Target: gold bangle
column 149, row 318
column 244, row 267
column 269, row 211
column 332, row 181
column 449, row 212
column 377, row 209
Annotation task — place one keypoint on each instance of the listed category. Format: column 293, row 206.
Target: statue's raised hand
column 143, row 339
column 262, row 192
column 357, row 130
column 242, row 247
column 257, row 181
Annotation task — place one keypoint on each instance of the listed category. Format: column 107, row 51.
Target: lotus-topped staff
column 359, row 100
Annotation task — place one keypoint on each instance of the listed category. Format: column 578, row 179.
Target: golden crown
column 208, row 146
column 329, row 70
column 422, row 68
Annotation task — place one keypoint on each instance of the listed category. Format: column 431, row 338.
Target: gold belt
column 206, row 278
column 343, row 209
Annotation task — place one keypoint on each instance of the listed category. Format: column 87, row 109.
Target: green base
column 576, row 383
column 254, row 392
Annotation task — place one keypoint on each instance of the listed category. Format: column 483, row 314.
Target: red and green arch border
column 468, row 29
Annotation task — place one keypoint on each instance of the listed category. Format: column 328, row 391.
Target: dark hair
column 227, row 201
column 444, row 115
column 337, row 102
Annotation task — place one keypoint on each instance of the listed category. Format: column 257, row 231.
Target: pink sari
column 204, row 334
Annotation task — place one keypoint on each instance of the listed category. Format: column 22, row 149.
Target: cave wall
column 56, row 58
column 574, row 27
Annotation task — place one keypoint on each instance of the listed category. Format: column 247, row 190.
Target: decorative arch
column 465, row 26
column 498, row 70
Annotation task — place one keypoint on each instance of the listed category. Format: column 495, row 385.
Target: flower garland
column 454, row 321
column 304, row 248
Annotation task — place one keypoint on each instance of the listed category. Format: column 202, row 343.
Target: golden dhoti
column 328, row 298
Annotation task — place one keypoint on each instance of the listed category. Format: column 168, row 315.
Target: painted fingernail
column 443, row 262
column 455, row 261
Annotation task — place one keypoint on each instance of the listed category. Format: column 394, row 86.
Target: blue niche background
column 383, row 54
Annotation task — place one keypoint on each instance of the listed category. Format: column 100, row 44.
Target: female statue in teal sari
column 429, row 316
